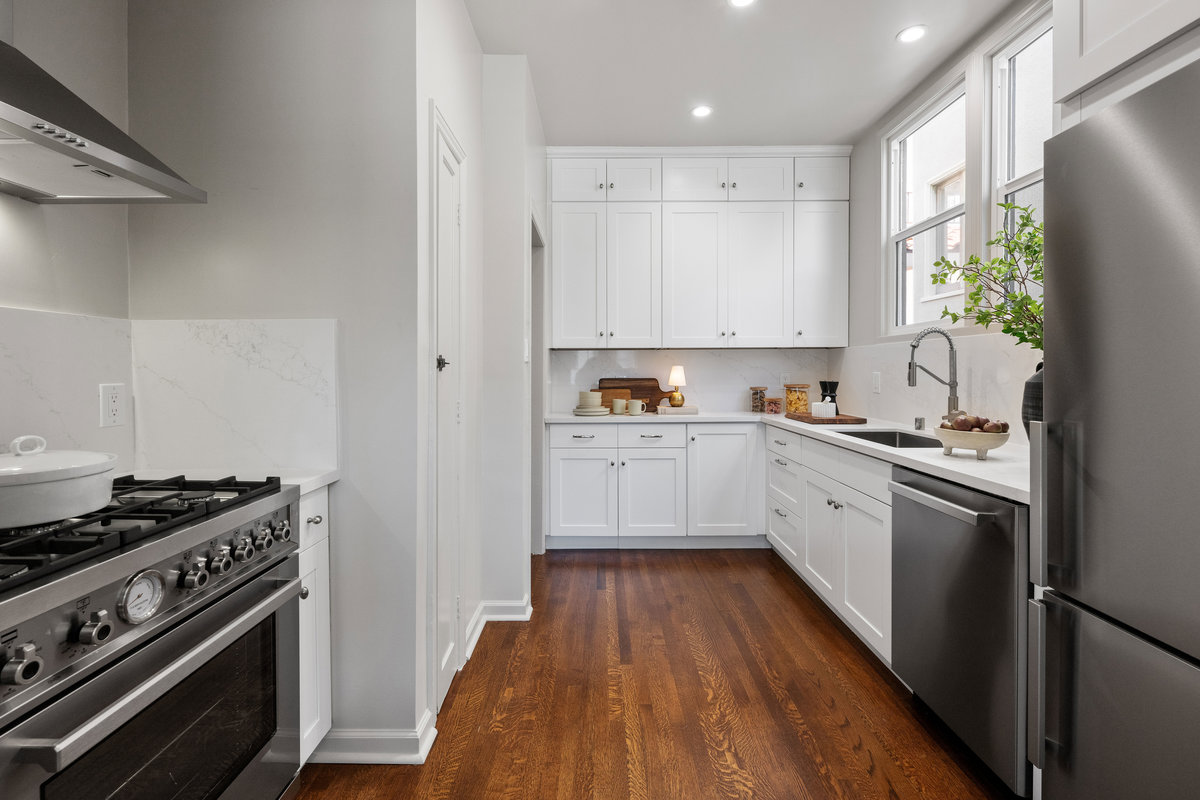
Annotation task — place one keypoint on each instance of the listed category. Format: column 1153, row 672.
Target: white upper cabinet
column 822, row 178
column 695, row 282
column 599, row 179
column 821, row 295
column 760, row 274
column 760, row 179
column 634, row 275
column 579, row 281
column 698, row 179
column 1093, row 38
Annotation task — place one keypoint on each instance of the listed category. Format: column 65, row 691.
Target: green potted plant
column 1006, row 290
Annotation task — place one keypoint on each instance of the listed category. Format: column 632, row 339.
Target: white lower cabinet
column 652, row 492
column 316, row 679
column 725, row 485
column 583, row 491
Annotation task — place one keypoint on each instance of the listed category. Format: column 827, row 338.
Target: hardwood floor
column 655, row 675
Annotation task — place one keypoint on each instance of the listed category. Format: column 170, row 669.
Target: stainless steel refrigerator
column 1114, row 689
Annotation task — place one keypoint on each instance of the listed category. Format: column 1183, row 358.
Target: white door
column 867, row 552
column 583, row 491
column 578, row 281
column 688, row 179
column 634, row 179
column 754, row 179
column 822, row 178
column 695, row 268
column 447, row 240
column 652, row 500
column 577, row 179
column 760, row 274
column 821, row 564
column 634, row 275
column 725, row 491
column 820, row 308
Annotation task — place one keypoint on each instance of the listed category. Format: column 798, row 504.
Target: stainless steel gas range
column 149, row 650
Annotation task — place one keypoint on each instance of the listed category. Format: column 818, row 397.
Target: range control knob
column 23, row 667
column 243, row 549
column 97, row 629
column 283, row 531
column 220, row 562
column 194, row 576
column 264, row 540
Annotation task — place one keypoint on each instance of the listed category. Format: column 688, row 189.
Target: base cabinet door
column 725, row 484
column 653, row 492
column 316, row 681
column 821, row 564
column 583, row 492
column 866, row 594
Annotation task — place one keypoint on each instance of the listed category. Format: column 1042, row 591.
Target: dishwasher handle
column 962, row 513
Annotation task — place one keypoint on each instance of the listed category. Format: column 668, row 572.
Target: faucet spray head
column 912, row 366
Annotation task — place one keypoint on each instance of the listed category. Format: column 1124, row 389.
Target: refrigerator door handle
column 1035, row 701
column 1038, row 572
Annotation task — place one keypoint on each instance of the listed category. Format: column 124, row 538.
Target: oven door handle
column 55, row 755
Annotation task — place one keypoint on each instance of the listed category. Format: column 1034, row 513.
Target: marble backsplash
column 718, row 380
column 51, row 368
column 258, row 394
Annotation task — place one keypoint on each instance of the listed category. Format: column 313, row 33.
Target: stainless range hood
column 55, row 148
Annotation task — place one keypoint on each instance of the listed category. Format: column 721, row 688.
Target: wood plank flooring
column 656, row 675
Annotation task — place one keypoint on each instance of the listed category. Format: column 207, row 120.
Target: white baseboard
column 496, row 611
column 377, row 746
column 756, row 542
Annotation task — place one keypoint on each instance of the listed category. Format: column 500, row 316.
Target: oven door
column 208, row 710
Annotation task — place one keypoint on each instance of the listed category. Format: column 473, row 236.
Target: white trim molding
column 496, row 611
column 798, row 151
column 377, row 746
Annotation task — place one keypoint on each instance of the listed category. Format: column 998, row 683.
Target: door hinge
column 442, row 363
column 460, row 215
column 458, row 607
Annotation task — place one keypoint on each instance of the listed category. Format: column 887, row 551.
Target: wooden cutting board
column 639, row 389
column 840, row 419
column 608, row 395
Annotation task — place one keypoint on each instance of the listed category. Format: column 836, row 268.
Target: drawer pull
column 781, row 462
column 781, row 444
column 652, row 435
column 317, row 520
column 583, row 436
column 780, row 513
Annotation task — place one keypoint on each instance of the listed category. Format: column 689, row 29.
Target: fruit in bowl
column 971, row 432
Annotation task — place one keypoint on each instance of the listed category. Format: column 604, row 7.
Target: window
column 953, row 158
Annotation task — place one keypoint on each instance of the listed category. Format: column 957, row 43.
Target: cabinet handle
column 693, row 438
column 733, row 185
column 733, row 333
column 722, row 333
column 317, row 520
column 652, row 435
column 784, row 444
column 799, row 333
column 828, row 501
column 610, row 333
column 722, row 185
column 601, row 333
column 780, row 513
column 781, row 462
column 610, row 186
column 622, row 463
column 800, row 185
column 612, row 463
column 583, row 436
column 602, row 186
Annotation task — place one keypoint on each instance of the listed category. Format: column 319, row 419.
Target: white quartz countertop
column 308, row 479
column 1004, row 473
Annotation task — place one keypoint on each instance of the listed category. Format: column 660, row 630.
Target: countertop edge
column 309, row 479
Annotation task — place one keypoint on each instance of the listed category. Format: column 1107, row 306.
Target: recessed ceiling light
column 701, row 111
column 911, row 34
column 740, row 3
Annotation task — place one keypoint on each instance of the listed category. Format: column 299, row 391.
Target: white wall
column 300, row 120
column 515, row 180
column 71, row 258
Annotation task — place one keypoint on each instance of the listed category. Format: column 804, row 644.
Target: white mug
column 636, row 407
column 618, row 405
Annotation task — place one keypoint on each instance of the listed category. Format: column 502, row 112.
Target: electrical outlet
column 876, row 384
column 785, row 378
column 112, row 404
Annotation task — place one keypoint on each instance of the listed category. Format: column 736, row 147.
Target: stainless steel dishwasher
column 960, row 580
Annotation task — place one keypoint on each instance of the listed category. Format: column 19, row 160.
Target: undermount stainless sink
column 894, row 438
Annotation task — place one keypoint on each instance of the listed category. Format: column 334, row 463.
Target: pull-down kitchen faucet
column 952, row 404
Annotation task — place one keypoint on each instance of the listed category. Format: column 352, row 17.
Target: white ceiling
column 780, row 72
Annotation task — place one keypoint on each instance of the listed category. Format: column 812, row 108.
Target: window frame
column 974, row 76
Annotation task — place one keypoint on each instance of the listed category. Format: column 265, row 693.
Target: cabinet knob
column 610, row 333
column 799, row 333
column 303, row 592
column 722, row 185
column 317, row 520
column 693, row 438
column 610, row 186
column 734, row 333
column 601, row 186
column 733, row 185
column 836, row 506
column 828, row 501
column 612, row 463
column 800, row 185
column 722, row 333
column 622, row 463
column 601, row 333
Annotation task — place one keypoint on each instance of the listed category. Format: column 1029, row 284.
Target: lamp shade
column 677, row 378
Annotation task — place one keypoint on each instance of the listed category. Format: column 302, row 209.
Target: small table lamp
column 677, row 379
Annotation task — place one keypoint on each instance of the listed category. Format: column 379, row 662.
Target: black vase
column 1031, row 400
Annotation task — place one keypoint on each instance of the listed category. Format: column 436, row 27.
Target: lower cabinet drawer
column 785, row 530
column 783, row 479
column 596, row 435
column 652, row 435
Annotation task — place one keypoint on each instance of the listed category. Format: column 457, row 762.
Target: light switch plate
column 876, row 385
column 113, row 405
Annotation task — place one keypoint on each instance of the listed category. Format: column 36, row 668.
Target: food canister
column 797, row 397
column 774, row 405
column 758, row 399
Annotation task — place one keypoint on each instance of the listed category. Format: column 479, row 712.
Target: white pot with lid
column 38, row 486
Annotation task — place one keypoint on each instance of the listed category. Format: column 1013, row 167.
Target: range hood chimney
column 55, row 148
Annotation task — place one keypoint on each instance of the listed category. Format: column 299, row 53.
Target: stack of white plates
column 591, row 411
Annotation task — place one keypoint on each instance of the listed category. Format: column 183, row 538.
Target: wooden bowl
column 969, row 440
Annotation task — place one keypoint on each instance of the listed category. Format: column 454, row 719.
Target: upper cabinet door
column 1093, row 38
column 577, row 277
column 695, row 179
column 758, row 179
column 822, row 274
column 634, row 179
column 822, row 178
column 578, row 179
column 634, row 290
column 695, row 272
column 760, row 274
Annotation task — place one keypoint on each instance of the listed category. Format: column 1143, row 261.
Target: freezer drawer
column 1121, row 715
